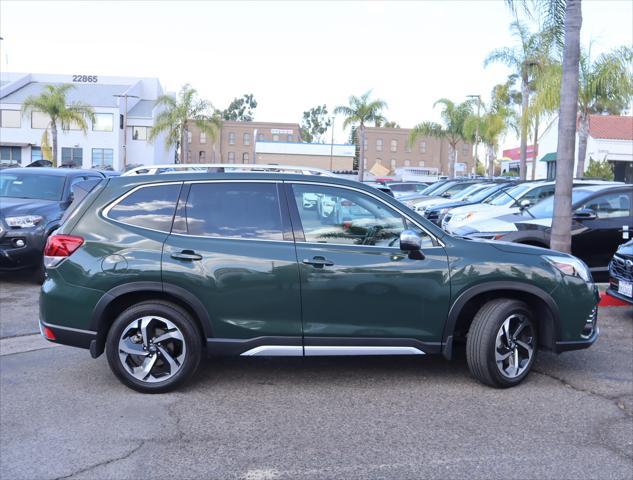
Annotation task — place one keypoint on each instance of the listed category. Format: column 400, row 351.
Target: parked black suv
column 32, row 202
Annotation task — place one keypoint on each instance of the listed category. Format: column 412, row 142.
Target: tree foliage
column 178, row 114
column 314, row 124
column 241, row 109
column 599, row 169
column 54, row 103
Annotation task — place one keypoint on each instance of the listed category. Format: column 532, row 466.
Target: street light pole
column 332, row 147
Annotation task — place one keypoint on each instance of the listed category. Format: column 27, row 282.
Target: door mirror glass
column 525, row 203
column 585, row 214
column 410, row 241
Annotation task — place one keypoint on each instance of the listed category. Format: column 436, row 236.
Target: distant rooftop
column 97, row 95
column 613, row 127
column 143, row 109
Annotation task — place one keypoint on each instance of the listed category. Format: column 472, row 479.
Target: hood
column 433, row 202
column 13, row 207
column 495, row 224
column 626, row 249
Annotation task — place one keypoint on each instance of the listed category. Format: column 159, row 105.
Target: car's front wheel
column 153, row 347
column 502, row 343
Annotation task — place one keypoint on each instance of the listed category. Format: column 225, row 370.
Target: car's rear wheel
column 502, row 343
column 153, row 347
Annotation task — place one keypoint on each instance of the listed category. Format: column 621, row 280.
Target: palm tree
column 491, row 126
column 454, row 129
column 178, row 114
column 361, row 111
column 605, row 86
column 526, row 59
column 53, row 102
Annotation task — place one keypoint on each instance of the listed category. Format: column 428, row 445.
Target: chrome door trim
column 315, row 351
column 274, row 351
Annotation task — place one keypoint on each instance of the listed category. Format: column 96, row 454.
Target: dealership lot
column 317, row 418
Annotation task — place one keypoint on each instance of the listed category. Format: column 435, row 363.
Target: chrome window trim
column 421, row 227
column 106, row 210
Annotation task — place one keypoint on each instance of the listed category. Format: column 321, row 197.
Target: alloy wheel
column 152, row 349
column 514, row 346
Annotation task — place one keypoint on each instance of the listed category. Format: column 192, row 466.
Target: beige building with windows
column 389, row 147
column 236, row 141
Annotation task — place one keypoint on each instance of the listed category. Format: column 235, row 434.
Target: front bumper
column 589, row 335
column 29, row 255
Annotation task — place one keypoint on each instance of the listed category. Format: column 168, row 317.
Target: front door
column 229, row 247
column 357, row 286
column 597, row 239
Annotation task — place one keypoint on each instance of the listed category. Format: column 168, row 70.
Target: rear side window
column 148, row 207
column 234, row 210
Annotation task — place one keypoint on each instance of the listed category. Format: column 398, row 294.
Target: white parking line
column 25, row 343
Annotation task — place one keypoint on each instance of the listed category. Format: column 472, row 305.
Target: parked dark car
column 32, row 202
column 601, row 215
column 621, row 272
column 158, row 271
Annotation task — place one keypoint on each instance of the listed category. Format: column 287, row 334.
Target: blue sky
column 291, row 55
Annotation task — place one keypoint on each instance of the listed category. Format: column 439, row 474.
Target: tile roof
column 612, row 127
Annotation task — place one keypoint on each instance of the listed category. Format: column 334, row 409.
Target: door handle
column 188, row 255
column 318, row 262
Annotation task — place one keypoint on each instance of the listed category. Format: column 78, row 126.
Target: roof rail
column 225, row 168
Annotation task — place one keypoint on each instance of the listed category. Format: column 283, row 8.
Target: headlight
column 570, row 266
column 26, row 221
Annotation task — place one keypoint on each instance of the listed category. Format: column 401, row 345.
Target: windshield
column 451, row 190
column 545, row 208
column 506, row 197
column 32, row 185
column 481, row 193
column 470, row 192
column 431, row 188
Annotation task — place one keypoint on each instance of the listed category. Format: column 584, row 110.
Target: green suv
column 159, row 270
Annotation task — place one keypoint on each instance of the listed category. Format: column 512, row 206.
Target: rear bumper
column 73, row 337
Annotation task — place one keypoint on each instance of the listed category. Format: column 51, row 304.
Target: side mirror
column 585, row 214
column 525, row 203
column 446, row 195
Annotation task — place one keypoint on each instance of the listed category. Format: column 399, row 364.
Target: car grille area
column 590, row 324
column 621, row 267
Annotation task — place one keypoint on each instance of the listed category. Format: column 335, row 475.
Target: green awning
column 549, row 157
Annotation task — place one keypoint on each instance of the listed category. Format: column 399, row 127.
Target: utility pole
column 332, row 147
column 125, row 96
column 476, row 153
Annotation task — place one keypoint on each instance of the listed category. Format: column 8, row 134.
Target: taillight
column 58, row 247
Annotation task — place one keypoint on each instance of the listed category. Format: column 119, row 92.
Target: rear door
column 231, row 246
column 597, row 239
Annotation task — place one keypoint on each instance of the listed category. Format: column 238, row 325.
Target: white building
column 610, row 138
column 105, row 142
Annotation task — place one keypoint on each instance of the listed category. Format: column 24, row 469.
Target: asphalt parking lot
column 64, row 415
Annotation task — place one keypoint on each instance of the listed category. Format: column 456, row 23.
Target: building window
column 102, row 157
column 104, row 122
column 393, row 163
column 231, row 157
column 275, row 137
column 71, row 126
column 72, row 157
column 36, row 154
column 407, row 147
column 422, row 146
column 246, row 138
column 421, row 164
column 139, row 133
column 379, row 161
column 394, row 145
column 203, row 137
column 10, row 155
column 379, row 145
column 245, row 157
column 39, row 120
column 189, row 136
column 188, row 156
column 290, row 137
column 10, row 118
column 260, row 137
column 202, row 156
column 407, row 163
column 231, row 138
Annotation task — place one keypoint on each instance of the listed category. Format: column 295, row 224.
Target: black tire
column 177, row 316
column 481, row 345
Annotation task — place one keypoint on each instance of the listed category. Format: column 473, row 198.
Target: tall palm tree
column 454, row 129
column 605, row 86
column 360, row 111
column 526, row 59
column 179, row 114
column 53, row 102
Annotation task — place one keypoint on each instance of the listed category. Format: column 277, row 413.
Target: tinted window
column 34, row 186
column 613, row 205
column 341, row 216
column 148, row 207
column 234, row 210
column 545, row 208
